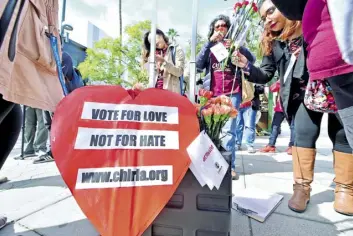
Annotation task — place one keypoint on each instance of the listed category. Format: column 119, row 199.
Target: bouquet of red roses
column 241, row 23
column 213, row 113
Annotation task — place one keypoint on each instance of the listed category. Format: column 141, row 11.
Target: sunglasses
column 221, row 26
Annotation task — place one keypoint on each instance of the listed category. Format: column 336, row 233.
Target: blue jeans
column 276, row 125
column 245, row 123
column 229, row 130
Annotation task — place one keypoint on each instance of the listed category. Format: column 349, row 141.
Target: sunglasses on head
column 221, row 26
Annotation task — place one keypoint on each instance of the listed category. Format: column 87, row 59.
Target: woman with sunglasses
column 227, row 81
column 325, row 62
column 283, row 38
column 170, row 61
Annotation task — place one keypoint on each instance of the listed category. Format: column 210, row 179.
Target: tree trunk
column 120, row 20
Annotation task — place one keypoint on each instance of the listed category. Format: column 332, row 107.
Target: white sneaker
column 3, row 180
column 251, row 150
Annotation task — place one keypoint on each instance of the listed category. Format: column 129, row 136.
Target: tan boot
column 343, row 164
column 303, row 171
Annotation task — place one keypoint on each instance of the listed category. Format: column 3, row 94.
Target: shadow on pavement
column 319, row 221
column 51, row 181
column 75, row 228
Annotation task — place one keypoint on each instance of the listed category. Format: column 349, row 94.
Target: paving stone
column 62, row 218
column 17, row 230
column 280, row 225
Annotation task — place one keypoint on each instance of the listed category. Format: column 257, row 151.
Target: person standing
column 326, row 64
column 278, row 118
column 224, row 80
column 36, row 134
column 246, row 121
column 170, row 61
column 282, row 41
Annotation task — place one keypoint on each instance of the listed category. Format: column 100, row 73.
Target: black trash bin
column 196, row 211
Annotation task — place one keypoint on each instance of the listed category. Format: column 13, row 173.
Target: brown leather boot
column 303, row 171
column 343, row 163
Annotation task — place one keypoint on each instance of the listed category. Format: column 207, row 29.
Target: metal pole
column 152, row 58
column 63, row 16
column 63, row 12
column 195, row 8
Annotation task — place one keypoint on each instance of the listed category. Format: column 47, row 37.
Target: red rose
column 245, row 3
column 254, row 7
column 237, row 5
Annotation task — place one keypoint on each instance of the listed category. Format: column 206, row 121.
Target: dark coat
column 291, row 95
column 292, row 9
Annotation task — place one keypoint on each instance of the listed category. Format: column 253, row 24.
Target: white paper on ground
column 256, row 203
column 207, row 160
column 197, row 174
column 220, row 52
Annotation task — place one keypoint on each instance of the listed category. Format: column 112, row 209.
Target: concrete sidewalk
column 37, row 192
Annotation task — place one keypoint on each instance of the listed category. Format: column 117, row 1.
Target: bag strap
column 181, row 78
column 292, row 61
column 54, row 46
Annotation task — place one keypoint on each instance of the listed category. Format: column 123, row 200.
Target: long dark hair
column 147, row 45
column 220, row 17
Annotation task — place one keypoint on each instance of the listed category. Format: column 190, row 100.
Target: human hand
column 160, row 59
column 239, row 59
column 228, row 43
column 217, row 36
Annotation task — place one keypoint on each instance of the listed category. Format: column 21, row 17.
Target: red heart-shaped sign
column 122, row 157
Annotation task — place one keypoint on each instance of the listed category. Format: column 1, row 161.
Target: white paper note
column 197, row 175
column 220, row 52
column 207, row 160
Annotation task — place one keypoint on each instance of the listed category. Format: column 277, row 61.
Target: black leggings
column 342, row 90
column 307, row 130
column 10, row 127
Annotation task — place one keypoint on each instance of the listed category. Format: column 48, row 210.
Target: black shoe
column 3, row 221
column 47, row 157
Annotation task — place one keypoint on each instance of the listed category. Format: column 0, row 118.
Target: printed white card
column 207, row 160
column 220, row 52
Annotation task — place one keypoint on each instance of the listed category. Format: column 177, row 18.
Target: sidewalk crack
column 29, row 229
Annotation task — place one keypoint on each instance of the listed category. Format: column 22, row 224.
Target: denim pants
column 276, row 127
column 36, row 135
column 245, row 124
column 229, row 130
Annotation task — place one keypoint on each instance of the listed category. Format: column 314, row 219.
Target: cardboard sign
column 122, row 156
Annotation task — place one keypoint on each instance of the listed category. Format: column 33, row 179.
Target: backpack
column 181, row 78
column 76, row 81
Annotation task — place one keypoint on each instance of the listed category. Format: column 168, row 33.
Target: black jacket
column 292, row 9
column 291, row 91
